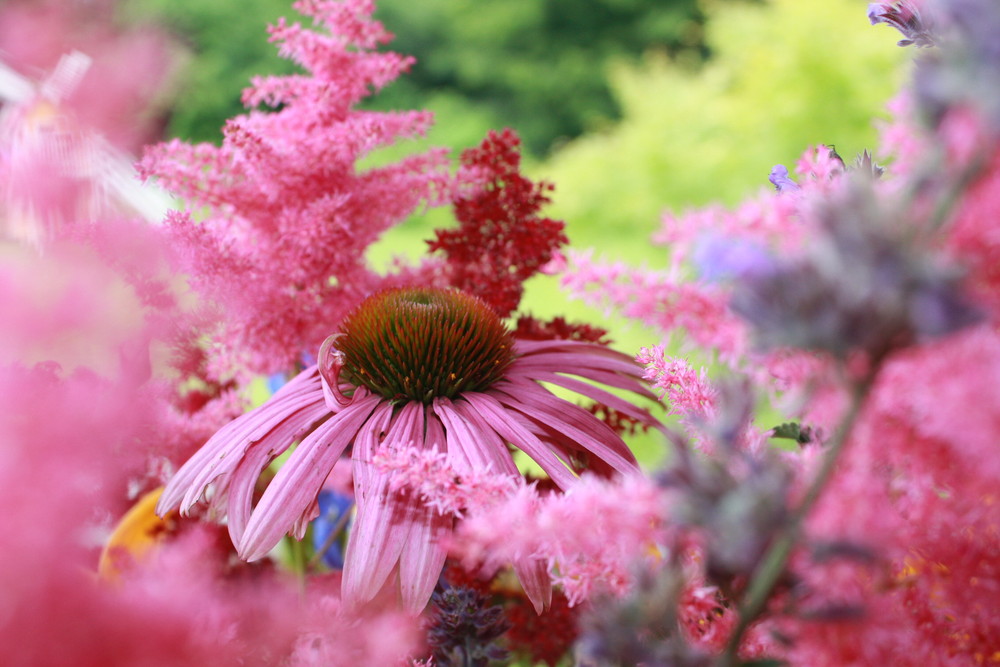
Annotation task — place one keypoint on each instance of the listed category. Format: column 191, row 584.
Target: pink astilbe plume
column 659, row 299
column 439, row 485
column 591, row 538
column 289, row 212
column 687, row 393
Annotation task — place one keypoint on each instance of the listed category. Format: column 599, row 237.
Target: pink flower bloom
column 288, row 208
column 440, row 485
column 591, row 537
column 428, row 368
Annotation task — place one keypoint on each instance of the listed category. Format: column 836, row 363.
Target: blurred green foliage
column 783, row 75
column 226, row 44
column 535, row 65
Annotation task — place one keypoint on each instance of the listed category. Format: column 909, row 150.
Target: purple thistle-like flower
column 859, row 285
column 428, row 368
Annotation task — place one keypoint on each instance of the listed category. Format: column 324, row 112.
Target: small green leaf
column 792, row 431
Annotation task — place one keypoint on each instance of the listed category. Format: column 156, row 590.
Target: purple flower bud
column 466, row 628
column 718, row 258
column 779, row 178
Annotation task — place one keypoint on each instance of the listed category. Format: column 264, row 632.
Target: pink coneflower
column 426, row 368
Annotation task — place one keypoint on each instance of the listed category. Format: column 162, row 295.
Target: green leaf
column 792, row 431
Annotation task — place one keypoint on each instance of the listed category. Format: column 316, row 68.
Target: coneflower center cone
column 423, row 343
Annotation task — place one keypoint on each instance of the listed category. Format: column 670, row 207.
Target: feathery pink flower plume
column 290, row 212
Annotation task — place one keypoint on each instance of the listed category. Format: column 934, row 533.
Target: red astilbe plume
column 501, row 241
column 288, row 212
column 558, row 328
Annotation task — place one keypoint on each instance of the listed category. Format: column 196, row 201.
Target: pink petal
column 423, row 557
column 224, row 450
column 507, row 425
column 472, row 441
column 534, row 577
column 243, row 481
column 296, row 485
column 561, row 349
column 584, row 365
column 381, row 527
column 597, row 394
column 577, row 424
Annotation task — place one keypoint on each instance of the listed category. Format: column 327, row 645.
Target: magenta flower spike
column 429, row 369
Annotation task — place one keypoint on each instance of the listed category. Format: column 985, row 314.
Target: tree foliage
column 536, row 65
column 784, row 75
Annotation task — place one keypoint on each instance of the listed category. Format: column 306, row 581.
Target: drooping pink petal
column 578, row 425
column 471, row 443
column 424, row 549
column 243, row 480
column 375, row 544
column 533, row 573
column 224, row 450
column 295, row 487
column 597, row 394
column 423, row 556
column 507, row 426
column 570, row 354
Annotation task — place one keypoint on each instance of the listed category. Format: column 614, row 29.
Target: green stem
column 297, row 561
column 773, row 563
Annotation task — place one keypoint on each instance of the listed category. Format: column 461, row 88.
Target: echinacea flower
column 428, row 368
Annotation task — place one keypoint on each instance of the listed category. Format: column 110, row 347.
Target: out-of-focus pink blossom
column 590, row 538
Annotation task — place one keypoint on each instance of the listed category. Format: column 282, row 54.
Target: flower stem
column 775, row 559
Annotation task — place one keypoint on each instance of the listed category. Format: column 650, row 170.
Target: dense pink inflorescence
column 589, row 537
column 290, row 211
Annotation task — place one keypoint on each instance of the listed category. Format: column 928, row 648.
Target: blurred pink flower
column 590, row 537
column 428, row 368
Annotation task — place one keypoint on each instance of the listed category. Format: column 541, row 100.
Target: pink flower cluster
column 289, row 209
column 897, row 561
column 439, row 485
column 588, row 536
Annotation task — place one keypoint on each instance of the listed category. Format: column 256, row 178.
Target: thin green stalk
column 775, row 559
column 297, row 561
